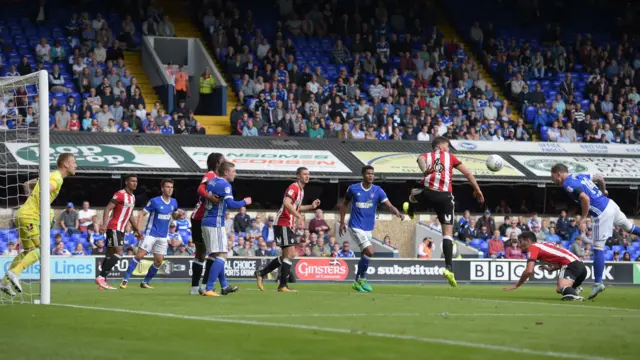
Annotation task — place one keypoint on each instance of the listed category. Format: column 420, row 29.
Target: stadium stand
column 407, row 71
column 579, row 72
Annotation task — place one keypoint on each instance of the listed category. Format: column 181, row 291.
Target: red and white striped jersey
column 296, row 194
column 443, row 163
column 551, row 254
column 122, row 211
column 199, row 210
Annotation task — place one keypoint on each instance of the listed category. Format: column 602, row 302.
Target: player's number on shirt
column 592, row 187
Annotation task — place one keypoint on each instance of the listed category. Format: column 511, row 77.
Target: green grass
column 322, row 321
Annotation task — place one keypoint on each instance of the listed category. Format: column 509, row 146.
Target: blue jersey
column 215, row 213
column 363, row 205
column 159, row 216
column 183, row 224
column 576, row 184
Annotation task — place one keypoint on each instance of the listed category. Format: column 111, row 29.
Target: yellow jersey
column 31, row 208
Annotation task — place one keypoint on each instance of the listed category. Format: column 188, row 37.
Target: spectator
column 513, row 229
column 12, row 249
column 98, row 248
column 249, row 129
column 468, row 231
column 183, row 251
column 320, row 249
column 79, row 250
column 174, row 246
column 496, row 246
column 340, row 53
column 424, row 249
column 486, row 220
column 626, row 256
column 43, row 51
column 552, row 236
column 198, row 129
column 534, row 221
column 241, row 220
column 60, row 250
column 173, row 234
column 345, row 252
column 166, row 28
column 85, row 217
column 540, row 235
column 435, row 225
column 69, row 221
column 318, row 223
column 577, row 247
column 253, row 230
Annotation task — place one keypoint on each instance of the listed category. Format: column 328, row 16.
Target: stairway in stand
column 133, row 62
column 449, row 34
column 179, row 16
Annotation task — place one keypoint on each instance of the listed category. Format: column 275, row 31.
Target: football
column 494, row 163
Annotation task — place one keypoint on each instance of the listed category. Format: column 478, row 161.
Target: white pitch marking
column 626, row 316
column 577, row 306
column 458, row 343
column 305, row 315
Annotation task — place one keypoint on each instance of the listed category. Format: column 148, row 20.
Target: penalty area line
column 449, row 342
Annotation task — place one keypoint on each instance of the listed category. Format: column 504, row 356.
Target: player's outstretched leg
column 225, row 288
column 110, row 260
column 598, row 270
column 133, row 264
column 207, row 271
column 21, row 263
column 288, row 254
column 409, row 207
column 361, row 284
column 598, row 257
column 272, row 266
column 214, row 273
column 196, row 272
column 153, row 270
column 447, row 249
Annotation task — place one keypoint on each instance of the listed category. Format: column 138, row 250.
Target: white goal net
column 24, row 118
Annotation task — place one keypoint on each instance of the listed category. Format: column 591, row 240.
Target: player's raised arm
column 393, row 209
column 313, row 206
column 598, row 178
column 477, row 193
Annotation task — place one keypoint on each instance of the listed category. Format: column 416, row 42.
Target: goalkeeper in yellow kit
column 27, row 221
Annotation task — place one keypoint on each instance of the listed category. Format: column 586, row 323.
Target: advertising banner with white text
column 271, row 159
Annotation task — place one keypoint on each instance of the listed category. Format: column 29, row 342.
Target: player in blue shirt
column 213, row 229
column 594, row 201
column 364, row 198
column 161, row 210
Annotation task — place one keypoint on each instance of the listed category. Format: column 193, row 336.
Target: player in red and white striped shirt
column 289, row 212
column 116, row 215
column 572, row 269
column 213, row 162
column 436, row 192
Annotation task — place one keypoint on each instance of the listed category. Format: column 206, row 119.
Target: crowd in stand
column 91, row 88
column 395, row 78
column 568, row 232
column 579, row 91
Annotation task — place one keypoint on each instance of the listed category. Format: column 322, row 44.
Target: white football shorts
column 155, row 245
column 361, row 237
column 215, row 239
column 603, row 225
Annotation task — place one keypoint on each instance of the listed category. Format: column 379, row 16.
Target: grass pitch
column 322, row 321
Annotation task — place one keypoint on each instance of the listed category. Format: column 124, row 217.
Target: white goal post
column 24, row 109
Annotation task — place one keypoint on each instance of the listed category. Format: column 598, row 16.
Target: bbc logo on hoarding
column 512, row 270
